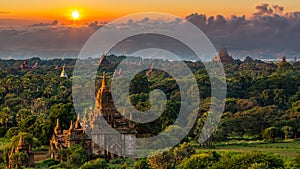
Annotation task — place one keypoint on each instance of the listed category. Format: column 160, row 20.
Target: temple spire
column 104, row 81
column 77, row 123
column 13, row 150
column 103, row 60
column 71, row 126
column 78, row 117
column 151, row 70
column 57, row 129
column 21, row 144
column 57, row 123
column 224, row 57
column 63, row 72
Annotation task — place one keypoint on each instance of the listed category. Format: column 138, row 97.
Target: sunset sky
column 106, row 10
column 261, row 29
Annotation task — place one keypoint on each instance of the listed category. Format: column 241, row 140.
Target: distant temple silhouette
column 103, row 60
column 283, row 60
column 26, row 66
column 224, row 57
column 63, row 73
column 151, row 70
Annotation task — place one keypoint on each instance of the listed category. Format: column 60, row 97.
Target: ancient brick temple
column 104, row 130
column 27, row 156
column 224, row 57
column 66, row 138
column 112, row 134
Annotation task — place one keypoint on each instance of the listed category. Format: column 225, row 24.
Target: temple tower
column 224, row 57
column 63, row 73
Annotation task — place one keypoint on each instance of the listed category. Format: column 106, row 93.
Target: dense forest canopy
column 263, row 99
column 259, row 96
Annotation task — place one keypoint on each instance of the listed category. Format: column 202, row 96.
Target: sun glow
column 75, row 14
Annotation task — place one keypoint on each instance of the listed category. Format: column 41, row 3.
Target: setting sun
column 75, row 14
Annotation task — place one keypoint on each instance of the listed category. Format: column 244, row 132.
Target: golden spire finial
column 57, row 129
column 21, row 144
column 71, row 125
column 150, row 71
column 78, row 117
column 63, row 72
column 103, row 81
column 57, row 123
column 77, row 125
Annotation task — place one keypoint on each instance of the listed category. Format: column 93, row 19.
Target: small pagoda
column 28, row 156
column 63, row 73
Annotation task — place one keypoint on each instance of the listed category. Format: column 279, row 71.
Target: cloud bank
column 45, row 40
column 270, row 33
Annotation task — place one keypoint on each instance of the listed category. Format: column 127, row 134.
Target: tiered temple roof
column 224, row 57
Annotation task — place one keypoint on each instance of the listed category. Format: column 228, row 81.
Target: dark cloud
column 278, row 9
column 198, row 20
column 269, row 32
column 263, row 9
column 53, row 23
column 220, row 19
column 211, row 20
column 1, row 12
column 95, row 25
column 44, row 40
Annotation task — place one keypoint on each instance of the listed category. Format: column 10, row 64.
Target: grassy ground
column 288, row 148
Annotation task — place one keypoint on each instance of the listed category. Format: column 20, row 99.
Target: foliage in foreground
column 98, row 163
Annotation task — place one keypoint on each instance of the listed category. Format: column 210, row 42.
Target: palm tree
column 5, row 117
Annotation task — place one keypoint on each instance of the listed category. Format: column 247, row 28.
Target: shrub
column 293, row 163
column 259, row 166
column 198, row 161
column 141, row 164
column 161, row 160
column 98, row 163
column 270, row 133
column 62, row 165
column 124, row 166
column 182, row 152
column 46, row 163
column 78, row 155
